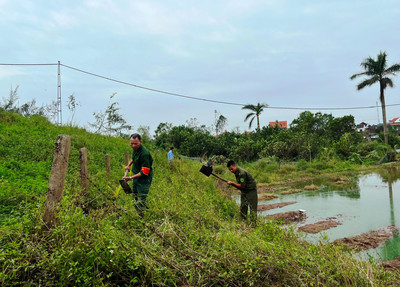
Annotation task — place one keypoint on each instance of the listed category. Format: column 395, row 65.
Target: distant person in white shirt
column 171, row 154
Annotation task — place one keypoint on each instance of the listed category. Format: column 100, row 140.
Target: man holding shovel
column 248, row 188
column 142, row 172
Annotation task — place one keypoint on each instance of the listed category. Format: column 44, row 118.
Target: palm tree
column 378, row 72
column 255, row 113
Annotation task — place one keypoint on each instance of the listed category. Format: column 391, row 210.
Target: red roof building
column 281, row 124
column 395, row 122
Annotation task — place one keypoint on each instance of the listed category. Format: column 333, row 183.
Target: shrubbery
column 310, row 137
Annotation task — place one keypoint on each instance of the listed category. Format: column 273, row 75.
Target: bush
column 268, row 164
column 286, row 168
column 322, row 165
column 302, row 164
column 218, row 159
column 219, row 169
column 312, row 170
column 356, row 158
column 343, row 146
column 365, row 147
column 327, row 154
column 244, row 150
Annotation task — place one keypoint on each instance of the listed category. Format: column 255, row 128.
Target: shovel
column 208, row 170
column 125, row 185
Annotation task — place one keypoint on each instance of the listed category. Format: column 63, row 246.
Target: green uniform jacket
column 142, row 162
column 244, row 178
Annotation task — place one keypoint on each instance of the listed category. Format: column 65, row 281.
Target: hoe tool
column 125, row 185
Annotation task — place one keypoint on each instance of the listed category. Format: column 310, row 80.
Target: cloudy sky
column 288, row 54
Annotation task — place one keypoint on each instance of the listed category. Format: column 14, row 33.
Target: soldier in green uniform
column 142, row 172
column 248, row 188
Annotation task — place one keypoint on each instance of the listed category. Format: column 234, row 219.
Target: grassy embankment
column 191, row 235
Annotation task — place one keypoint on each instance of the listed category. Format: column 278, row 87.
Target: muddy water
column 366, row 202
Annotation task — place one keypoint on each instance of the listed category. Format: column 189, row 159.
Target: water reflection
column 392, row 220
column 389, row 174
column 349, row 189
column 391, row 248
column 367, row 202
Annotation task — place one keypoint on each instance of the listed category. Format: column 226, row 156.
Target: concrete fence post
column 57, row 177
column 84, row 169
column 127, row 158
column 108, row 165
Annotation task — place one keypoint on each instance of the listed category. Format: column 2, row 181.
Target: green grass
column 191, row 235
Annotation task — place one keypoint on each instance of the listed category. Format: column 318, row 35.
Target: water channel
column 367, row 202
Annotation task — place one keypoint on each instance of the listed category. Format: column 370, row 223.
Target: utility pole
column 377, row 110
column 59, row 106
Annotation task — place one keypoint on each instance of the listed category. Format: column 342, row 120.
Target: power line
column 342, row 108
column 51, row 64
column 151, row 89
column 214, row 101
column 195, row 98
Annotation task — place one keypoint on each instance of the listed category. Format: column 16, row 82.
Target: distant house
column 370, row 131
column 395, row 122
column 362, row 127
column 279, row 124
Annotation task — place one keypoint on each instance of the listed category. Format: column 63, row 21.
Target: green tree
column 377, row 71
column 144, row 131
column 162, row 128
column 72, row 104
column 10, row 103
column 312, row 123
column 162, row 135
column 27, row 109
column 339, row 126
column 179, row 134
column 343, row 146
column 219, row 122
column 256, row 111
column 110, row 122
